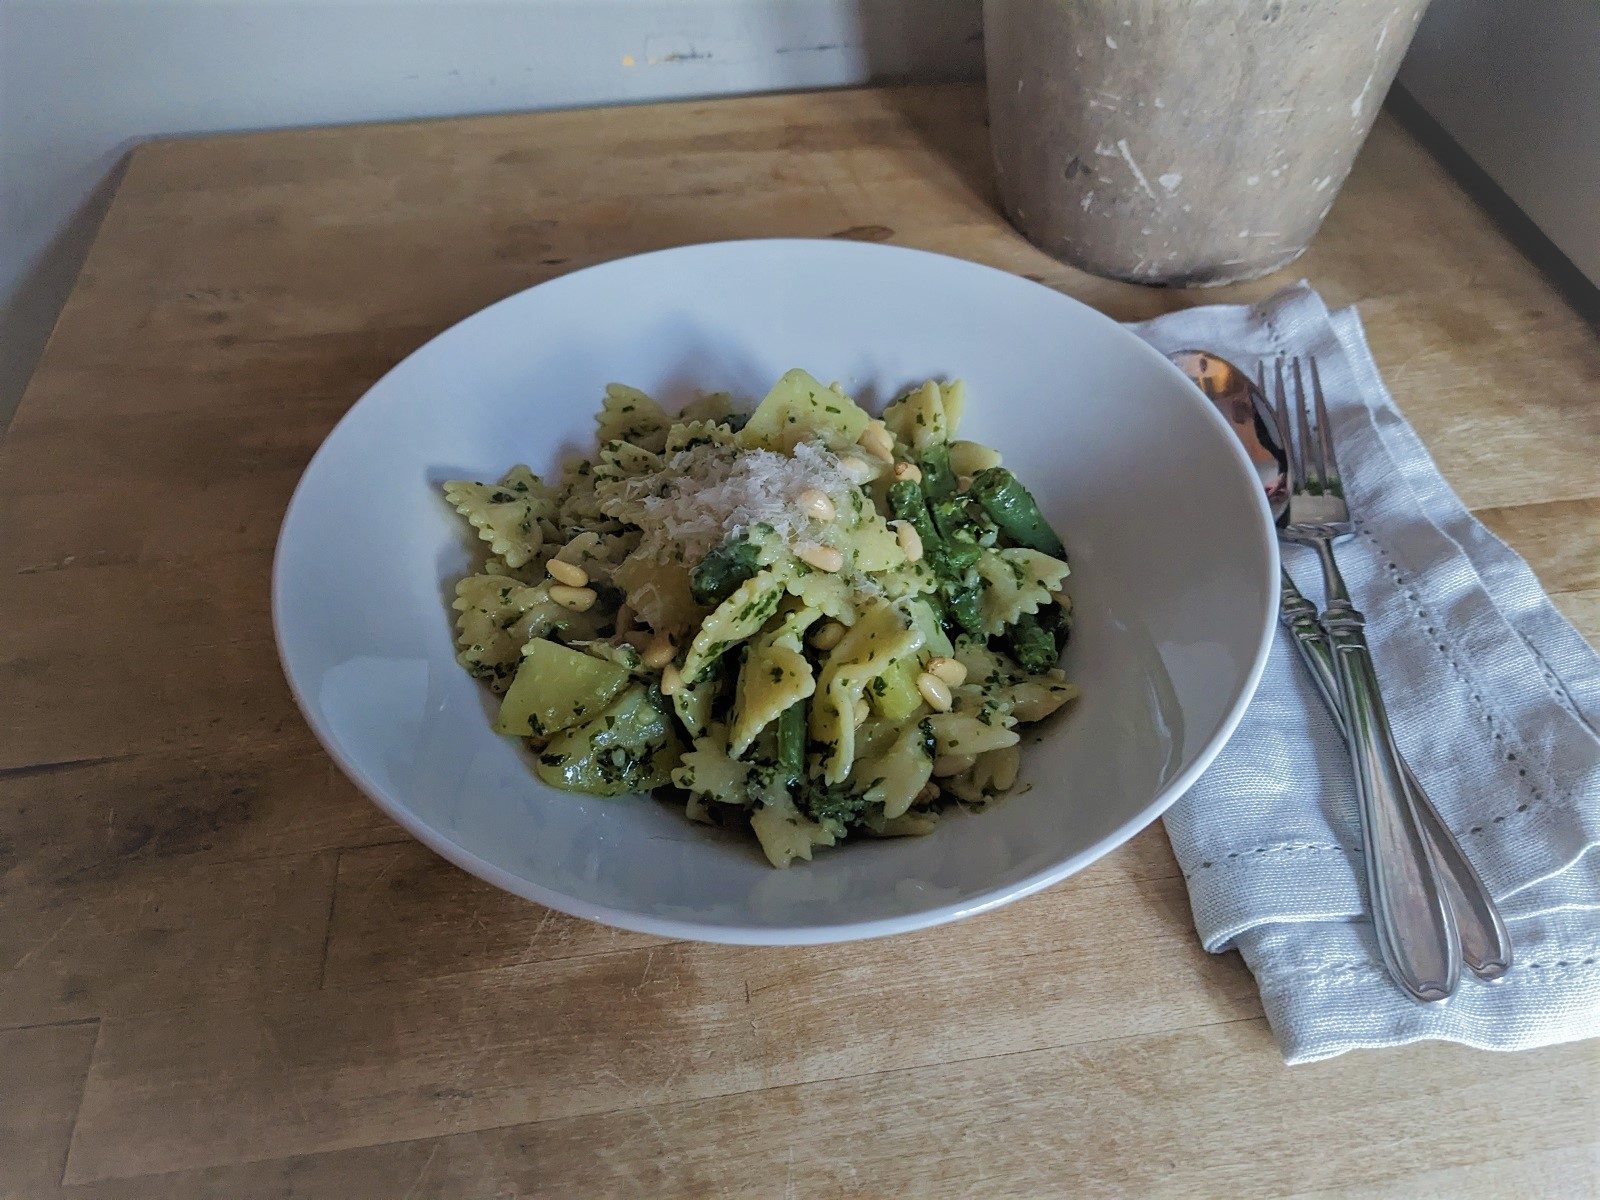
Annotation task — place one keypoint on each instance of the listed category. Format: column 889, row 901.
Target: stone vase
column 1179, row 142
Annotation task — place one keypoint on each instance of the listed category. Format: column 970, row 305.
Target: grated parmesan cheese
column 708, row 493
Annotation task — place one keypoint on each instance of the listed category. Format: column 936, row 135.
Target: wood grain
column 613, row 1030
column 1583, row 610
column 226, row 974
column 164, row 938
column 1138, row 1116
column 43, row 1069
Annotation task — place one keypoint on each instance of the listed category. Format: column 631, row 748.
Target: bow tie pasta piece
column 717, row 782
column 869, row 545
column 578, row 507
column 687, row 435
column 1035, row 699
column 926, row 415
column 898, row 771
column 775, row 676
column 714, row 407
column 658, row 592
column 867, row 650
column 710, row 774
column 993, row 773
column 598, row 554
column 735, row 619
column 623, row 460
column 1015, row 581
column 507, row 514
column 628, row 415
column 785, row 833
column 499, row 615
column 830, row 593
column 619, row 464
column 692, row 701
column 798, row 409
column 965, row 733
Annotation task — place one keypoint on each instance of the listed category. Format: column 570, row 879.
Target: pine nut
column 823, row 558
column 963, row 483
column 876, row 440
column 578, row 599
column 905, row 470
column 951, row 671
column 658, row 653
column 858, row 469
column 671, row 680
column 817, row 504
column 952, row 764
column 828, row 635
column 910, row 540
column 1005, row 768
column 862, row 710
column 928, row 794
column 570, row 574
column 935, row 692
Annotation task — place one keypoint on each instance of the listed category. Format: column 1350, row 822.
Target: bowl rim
column 749, row 933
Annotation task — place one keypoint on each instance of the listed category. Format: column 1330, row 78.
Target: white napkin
column 1495, row 700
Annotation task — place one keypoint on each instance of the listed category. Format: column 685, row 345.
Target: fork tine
column 1297, row 470
column 1330, row 461
column 1303, row 418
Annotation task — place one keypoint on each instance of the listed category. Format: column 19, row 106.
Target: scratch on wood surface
column 44, row 945
column 97, row 558
column 68, row 764
column 327, row 920
column 422, row 1174
column 543, row 921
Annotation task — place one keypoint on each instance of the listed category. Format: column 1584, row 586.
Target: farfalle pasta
column 801, row 622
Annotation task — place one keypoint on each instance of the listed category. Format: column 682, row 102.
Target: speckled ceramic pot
column 1180, row 142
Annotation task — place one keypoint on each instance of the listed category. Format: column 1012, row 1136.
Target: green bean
column 1015, row 511
column 951, row 558
column 719, row 574
column 959, row 533
column 938, row 480
column 907, row 504
column 1057, row 619
column 966, row 605
column 1032, row 644
column 792, row 742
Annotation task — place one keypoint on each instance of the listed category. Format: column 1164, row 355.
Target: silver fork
column 1416, row 929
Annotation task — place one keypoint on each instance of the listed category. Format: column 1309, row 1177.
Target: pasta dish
column 801, row 621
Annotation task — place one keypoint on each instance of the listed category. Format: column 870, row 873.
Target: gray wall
column 1516, row 83
column 83, row 80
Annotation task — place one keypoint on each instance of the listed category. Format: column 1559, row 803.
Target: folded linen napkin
column 1495, row 700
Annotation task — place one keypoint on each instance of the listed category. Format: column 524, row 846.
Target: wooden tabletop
column 225, row 974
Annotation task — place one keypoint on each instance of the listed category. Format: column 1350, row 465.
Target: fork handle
column 1485, row 944
column 1416, row 929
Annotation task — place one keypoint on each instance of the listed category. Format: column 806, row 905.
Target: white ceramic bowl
column 1174, row 574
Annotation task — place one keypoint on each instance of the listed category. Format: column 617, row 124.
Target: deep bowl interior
column 1171, row 547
